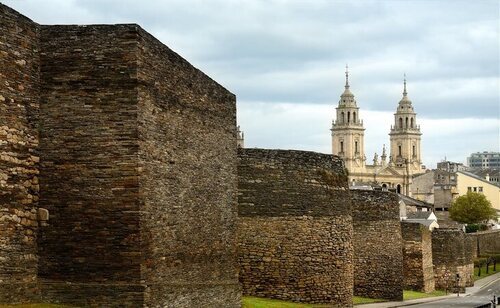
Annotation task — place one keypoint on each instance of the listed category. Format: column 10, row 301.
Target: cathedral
column 404, row 161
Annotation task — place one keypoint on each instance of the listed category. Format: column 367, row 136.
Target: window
column 411, row 122
column 348, row 117
column 343, row 117
column 406, row 122
column 400, row 122
column 480, row 189
column 469, row 189
column 354, row 117
column 475, row 189
column 399, row 150
column 414, row 151
column 355, row 147
column 341, row 146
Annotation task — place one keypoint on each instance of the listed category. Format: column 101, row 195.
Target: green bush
column 480, row 261
column 494, row 256
column 471, row 228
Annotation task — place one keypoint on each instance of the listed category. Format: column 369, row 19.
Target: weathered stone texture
column 486, row 242
column 187, row 176
column 88, row 157
column 137, row 169
column 378, row 255
column 19, row 190
column 452, row 253
column 417, row 257
column 295, row 227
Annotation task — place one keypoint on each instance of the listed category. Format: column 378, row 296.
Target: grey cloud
column 272, row 52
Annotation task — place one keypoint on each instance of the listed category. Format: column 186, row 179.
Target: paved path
column 482, row 292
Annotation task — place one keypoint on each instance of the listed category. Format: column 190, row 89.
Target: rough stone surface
column 417, row 257
column 295, row 227
column 136, row 164
column 452, row 253
column 19, row 190
column 486, row 242
column 378, row 254
column 188, row 182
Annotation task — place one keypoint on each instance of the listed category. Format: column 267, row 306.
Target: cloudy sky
column 285, row 62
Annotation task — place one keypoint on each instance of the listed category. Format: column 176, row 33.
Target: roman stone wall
column 88, row 163
column 487, row 242
column 378, row 254
column 19, row 191
column 138, row 171
column 295, row 226
column 417, row 257
column 187, row 176
column 452, row 253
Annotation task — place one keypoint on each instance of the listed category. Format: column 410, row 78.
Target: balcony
column 415, row 129
column 357, row 123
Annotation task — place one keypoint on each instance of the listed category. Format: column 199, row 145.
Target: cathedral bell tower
column 405, row 136
column 348, row 132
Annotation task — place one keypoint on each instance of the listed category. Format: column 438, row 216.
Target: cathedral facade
column 404, row 161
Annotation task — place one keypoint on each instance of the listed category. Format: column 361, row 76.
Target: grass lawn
column 259, row 302
column 483, row 272
column 358, row 300
column 408, row 295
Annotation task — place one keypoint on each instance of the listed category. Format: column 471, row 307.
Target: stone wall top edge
column 485, row 232
column 7, row 9
column 280, row 153
column 131, row 26
column 363, row 193
column 448, row 230
column 145, row 35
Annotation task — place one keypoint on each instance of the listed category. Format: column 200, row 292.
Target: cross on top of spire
column 346, row 76
column 404, row 91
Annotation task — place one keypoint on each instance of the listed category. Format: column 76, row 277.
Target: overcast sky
column 285, row 62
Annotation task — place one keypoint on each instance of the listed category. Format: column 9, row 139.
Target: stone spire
column 346, row 76
column 347, row 98
column 405, row 100
column 405, row 134
column 383, row 157
column 404, row 91
column 348, row 132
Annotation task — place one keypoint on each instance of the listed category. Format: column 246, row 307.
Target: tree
column 472, row 208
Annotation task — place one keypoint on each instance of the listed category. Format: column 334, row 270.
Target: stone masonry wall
column 187, row 175
column 19, row 192
column 452, row 254
column 295, row 227
column 417, row 257
column 378, row 255
column 487, row 242
column 88, row 165
column 142, row 146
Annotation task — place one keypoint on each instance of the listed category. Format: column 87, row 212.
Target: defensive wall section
column 295, row 227
column 135, row 154
column 19, row 191
column 452, row 254
column 418, row 269
column 486, row 242
column 377, row 240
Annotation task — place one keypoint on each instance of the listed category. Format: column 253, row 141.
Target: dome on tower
column 405, row 103
column 347, row 98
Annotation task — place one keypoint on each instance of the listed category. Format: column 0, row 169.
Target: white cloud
column 307, row 127
column 285, row 59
